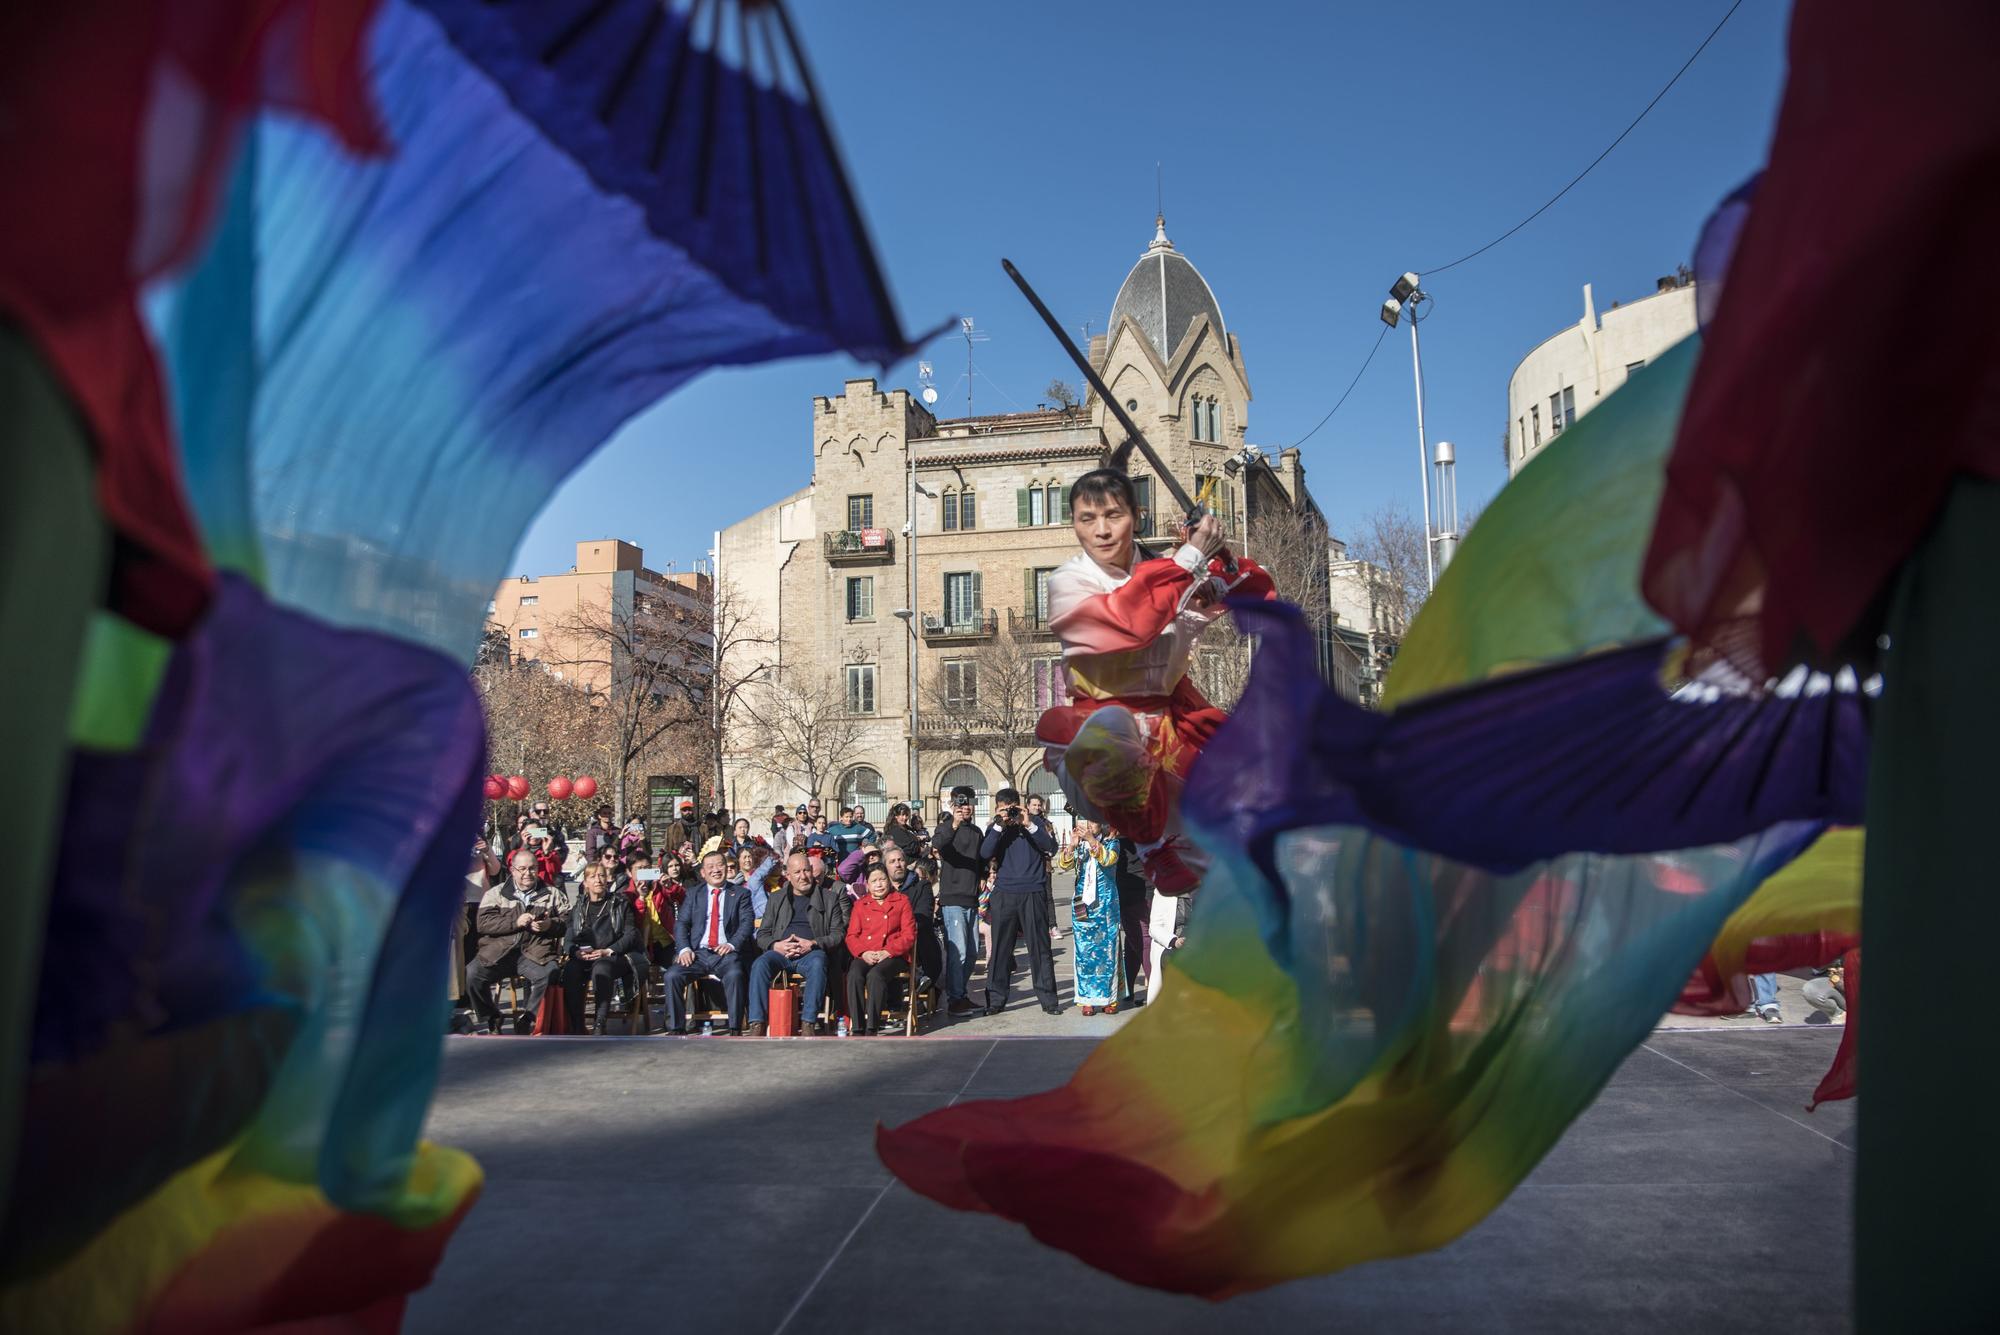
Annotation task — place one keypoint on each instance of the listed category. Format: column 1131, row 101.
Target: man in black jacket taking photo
column 1019, row 846
column 960, row 870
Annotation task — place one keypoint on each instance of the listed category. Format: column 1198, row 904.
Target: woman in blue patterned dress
column 1096, row 952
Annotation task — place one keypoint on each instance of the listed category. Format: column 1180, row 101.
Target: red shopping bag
column 552, row 1016
column 784, row 1013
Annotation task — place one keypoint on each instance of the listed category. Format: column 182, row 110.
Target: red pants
column 1122, row 759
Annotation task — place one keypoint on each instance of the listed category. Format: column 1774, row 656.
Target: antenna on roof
column 972, row 335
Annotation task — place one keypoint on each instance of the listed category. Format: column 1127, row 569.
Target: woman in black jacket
column 602, row 933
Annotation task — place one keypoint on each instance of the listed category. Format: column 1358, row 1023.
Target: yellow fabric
column 111, row 1284
column 1819, row 891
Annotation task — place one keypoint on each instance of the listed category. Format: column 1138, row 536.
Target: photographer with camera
column 1019, row 846
column 960, row 870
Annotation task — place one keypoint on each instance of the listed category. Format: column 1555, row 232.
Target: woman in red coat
column 880, row 932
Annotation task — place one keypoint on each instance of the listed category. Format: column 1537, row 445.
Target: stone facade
column 826, row 568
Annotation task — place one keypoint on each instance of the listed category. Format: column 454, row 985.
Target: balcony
column 1030, row 624
column 860, row 546
column 979, row 626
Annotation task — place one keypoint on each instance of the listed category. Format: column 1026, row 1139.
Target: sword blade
column 1117, row 409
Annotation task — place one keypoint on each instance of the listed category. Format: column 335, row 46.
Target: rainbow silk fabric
column 1430, row 936
column 377, row 368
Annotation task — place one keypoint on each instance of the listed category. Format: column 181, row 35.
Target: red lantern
column 585, row 786
column 517, row 787
column 496, row 787
column 559, row 788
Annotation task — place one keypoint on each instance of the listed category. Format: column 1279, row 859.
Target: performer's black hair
column 1103, row 483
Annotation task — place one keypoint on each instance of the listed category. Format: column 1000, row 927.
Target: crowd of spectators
column 841, row 908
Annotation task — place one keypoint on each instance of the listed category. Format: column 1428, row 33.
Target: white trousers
column 1160, row 926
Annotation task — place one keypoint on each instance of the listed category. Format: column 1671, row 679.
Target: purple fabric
column 272, row 732
column 1717, row 246
column 1583, row 756
column 745, row 178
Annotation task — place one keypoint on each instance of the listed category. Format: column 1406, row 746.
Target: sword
column 1132, row 431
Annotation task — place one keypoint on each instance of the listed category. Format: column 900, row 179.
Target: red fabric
column 1709, row 992
column 1842, row 1078
column 1130, row 616
column 1186, row 720
column 889, row 925
column 1852, row 368
column 118, row 118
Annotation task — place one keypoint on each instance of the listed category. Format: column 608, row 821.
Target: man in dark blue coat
column 1018, row 846
column 712, row 933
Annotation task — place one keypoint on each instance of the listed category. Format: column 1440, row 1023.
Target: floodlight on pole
column 1406, row 297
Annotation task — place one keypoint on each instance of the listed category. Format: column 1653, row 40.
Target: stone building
column 1569, row 373
column 912, row 568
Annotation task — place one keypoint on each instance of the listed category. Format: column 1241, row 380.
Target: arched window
column 969, row 775
column 1041, row 783
column 862, row 787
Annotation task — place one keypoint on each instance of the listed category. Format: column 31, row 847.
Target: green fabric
column 119, row 676
column 1551, row 570
column 54, row 557
column 1929, row 1178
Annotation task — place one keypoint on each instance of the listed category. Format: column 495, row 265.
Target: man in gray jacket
column 801, row 933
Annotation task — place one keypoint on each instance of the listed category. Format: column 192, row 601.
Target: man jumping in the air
column 1135, row 723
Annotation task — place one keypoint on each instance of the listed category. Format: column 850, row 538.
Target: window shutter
column 1021, row 505
column 978, row 603
column 1062, row 499
column 1028, row 594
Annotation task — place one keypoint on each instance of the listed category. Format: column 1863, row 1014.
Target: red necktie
column 714, row 918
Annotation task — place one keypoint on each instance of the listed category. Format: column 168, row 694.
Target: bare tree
column 986, row 703
column 745, row 652
column 1291, row 545
column 1063, row 394
column 538, row 724
column 798, row 729
column 1393, row 541
column 649, row 667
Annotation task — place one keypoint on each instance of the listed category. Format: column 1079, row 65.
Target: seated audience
column 804, row 927
column 597, row 945
column 880, row 933
column 711, row 934
column 520, row 926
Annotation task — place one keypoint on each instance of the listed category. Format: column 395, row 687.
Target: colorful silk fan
column 377, row 369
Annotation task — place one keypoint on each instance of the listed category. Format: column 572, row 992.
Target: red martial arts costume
column 1135, row 723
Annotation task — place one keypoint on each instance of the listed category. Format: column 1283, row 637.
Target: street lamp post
column 1405, row 295
column 908, row 617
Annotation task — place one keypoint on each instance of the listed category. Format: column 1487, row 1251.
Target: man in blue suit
column 712, row 933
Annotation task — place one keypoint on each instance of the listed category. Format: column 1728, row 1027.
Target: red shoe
column 1171, row 866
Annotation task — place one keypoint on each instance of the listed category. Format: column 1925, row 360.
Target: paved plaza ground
column 653, row 1183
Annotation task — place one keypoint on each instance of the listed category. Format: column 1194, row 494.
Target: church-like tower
column 1169, row 359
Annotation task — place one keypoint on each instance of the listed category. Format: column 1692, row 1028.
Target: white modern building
column 1570, row 372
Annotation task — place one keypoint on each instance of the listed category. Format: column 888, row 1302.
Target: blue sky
column 1301, row 175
